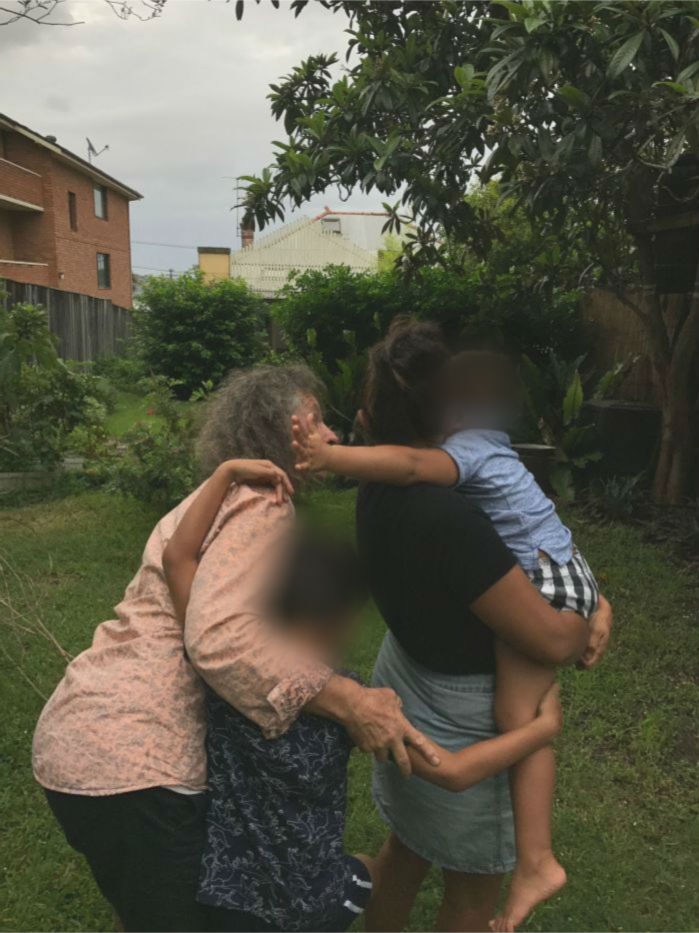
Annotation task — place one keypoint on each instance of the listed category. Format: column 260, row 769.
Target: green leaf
column 688, row 72
column 574, row 97
column 594, row 150
column 673, row 85
column 624, row 55
column 572, row 403
column 464, row 75
column 671, row 44
column 532, row 23
column 516, row 10
column 561, row 479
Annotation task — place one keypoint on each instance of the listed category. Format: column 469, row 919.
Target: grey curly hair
column 249, row 416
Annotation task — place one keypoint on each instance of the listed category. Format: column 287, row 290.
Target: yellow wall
column 215, row 266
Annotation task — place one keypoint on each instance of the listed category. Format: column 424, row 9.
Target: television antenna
column 92, row 153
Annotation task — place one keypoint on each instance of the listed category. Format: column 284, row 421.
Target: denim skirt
column 472, row 831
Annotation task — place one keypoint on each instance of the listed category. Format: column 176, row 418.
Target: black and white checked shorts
column 569, row 586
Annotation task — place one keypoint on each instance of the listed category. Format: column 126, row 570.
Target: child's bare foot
column 531, row 884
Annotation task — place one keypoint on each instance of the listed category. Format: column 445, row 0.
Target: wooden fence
column 617, row 334
column 86, row 327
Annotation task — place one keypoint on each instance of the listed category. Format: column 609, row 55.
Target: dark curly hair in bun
column 402, row 389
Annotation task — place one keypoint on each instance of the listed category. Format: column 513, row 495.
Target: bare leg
column 469, row 902
column 520, row 685
column 398, row 874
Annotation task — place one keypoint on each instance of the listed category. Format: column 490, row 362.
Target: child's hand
column 550, row 712
column 598, row 640
column 261, row 472
column 310, row 448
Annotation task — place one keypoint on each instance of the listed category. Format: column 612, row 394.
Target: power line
column 153, row 269
column 171, row 245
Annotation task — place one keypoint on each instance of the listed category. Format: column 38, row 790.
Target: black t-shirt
column 428, row 555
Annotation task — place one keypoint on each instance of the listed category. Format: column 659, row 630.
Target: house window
column 100, row 201
column 104, row 274
column 73, row 210
column 331, row 225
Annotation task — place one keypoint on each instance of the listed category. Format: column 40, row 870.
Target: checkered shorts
column 567, row 586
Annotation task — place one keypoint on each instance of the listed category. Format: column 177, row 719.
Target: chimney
column 247, row 234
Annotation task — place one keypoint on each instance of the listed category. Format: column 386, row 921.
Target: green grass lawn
column 129, row 410
column 627, row 814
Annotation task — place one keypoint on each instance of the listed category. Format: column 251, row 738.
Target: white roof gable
column 309, row 244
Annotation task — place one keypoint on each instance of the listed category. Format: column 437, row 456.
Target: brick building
column 63, row 222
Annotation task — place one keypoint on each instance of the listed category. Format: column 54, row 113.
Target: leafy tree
column 582, row 110
column 193, row 332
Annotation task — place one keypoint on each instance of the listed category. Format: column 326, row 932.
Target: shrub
column 153, row 463
column 554, row 396
column 191, row 331
column 42, row 399
column 124, row 371
column 326, row 311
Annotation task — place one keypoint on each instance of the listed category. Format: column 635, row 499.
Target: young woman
column 475, row 455
column 447, row 587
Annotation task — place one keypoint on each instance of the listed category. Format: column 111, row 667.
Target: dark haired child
column 274, row 855
column 478, row 398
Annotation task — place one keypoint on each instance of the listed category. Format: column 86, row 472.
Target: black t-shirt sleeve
column 472, row 556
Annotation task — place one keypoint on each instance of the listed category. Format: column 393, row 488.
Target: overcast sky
column 181, row 102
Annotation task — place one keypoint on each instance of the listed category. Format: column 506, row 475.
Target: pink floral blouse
column 129, row 712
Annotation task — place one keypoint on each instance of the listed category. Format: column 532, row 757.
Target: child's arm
column 460, row 770
column 181, row 555
column 385, row 463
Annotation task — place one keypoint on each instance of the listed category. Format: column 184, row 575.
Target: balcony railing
column 20, row 188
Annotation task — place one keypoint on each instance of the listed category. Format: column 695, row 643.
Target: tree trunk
column 677, row 444
column 674, row 355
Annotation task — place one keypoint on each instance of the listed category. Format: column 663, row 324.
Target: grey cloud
column 180, row 100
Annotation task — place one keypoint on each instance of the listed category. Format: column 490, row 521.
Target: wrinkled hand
column 598, row 640
column 309, row 447
column 376, row 724
column 263, row 473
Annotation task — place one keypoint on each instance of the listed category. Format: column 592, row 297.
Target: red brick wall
column 30, row 274
column 7, row 248
column 71, row 256
column 19, row 183
column 76, row 251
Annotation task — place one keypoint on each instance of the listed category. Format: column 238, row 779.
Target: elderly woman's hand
column 260, row 472
column 376, row 724
column 374, row 720
column 600, row 630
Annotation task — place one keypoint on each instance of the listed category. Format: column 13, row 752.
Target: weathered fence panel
column 86, row 327
column 618, row 334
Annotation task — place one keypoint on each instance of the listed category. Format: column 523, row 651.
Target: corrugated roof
column 299, row 246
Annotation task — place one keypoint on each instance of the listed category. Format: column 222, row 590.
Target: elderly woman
column 119, row 747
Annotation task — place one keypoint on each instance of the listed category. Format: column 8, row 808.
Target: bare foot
column 531, row 885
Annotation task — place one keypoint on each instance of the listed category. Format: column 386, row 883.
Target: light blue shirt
column 492, row 476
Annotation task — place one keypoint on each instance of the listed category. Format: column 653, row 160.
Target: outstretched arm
column 459, row 770
column 386, row 463
column 181, row 555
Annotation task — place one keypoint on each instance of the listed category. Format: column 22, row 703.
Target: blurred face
column 310, row 406
column 327, row 640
